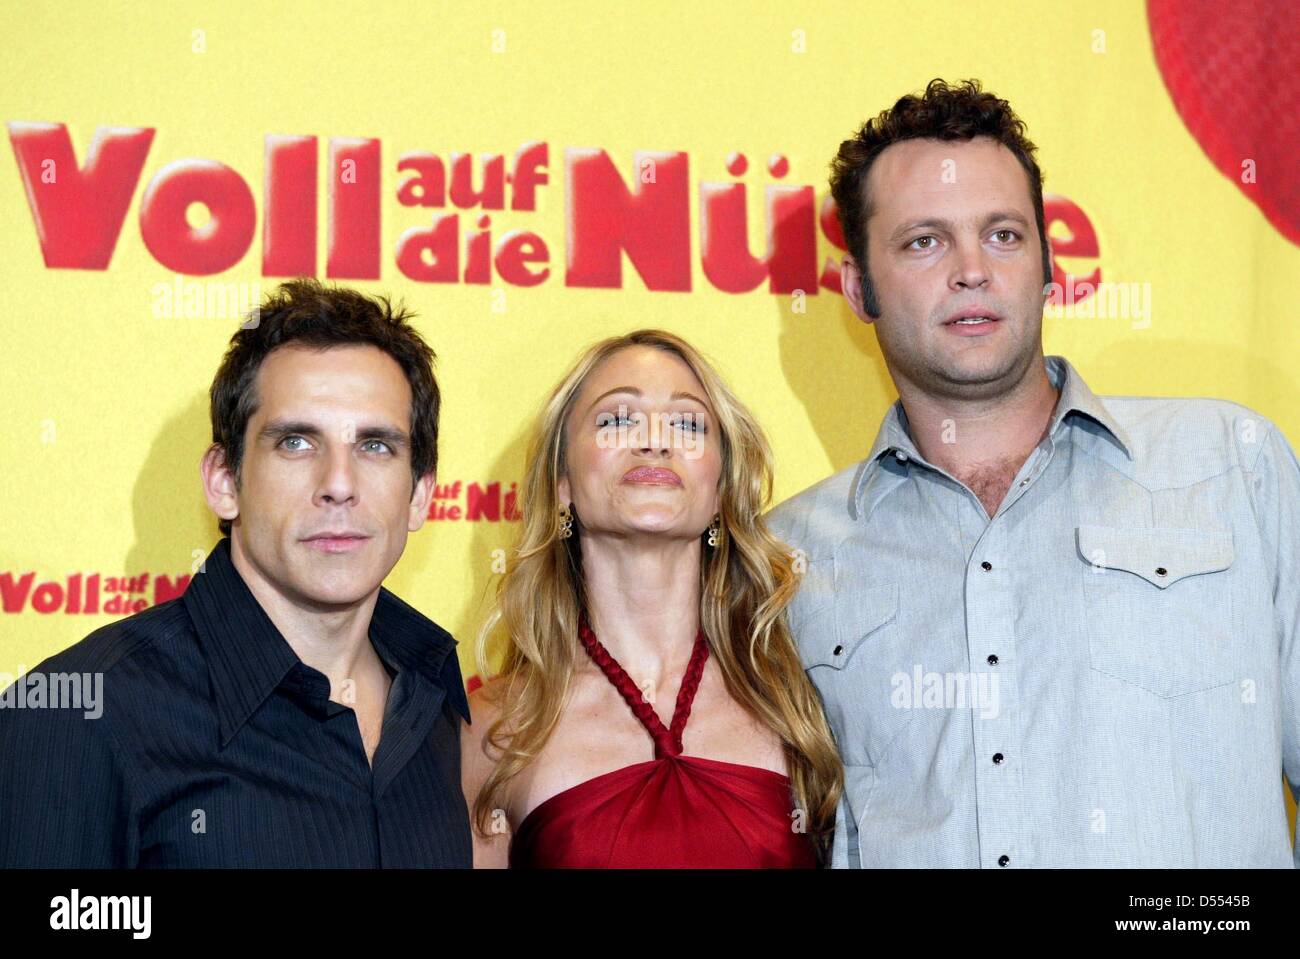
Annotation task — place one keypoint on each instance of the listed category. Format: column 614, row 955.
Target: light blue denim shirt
column 1105, row 673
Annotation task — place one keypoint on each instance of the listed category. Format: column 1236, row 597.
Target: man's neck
column 983, row 441
column 334, row 641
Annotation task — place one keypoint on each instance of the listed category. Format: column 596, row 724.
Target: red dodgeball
column 1233, row 72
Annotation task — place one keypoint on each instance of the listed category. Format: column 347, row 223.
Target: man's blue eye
column 290, row 439
column 380, row 443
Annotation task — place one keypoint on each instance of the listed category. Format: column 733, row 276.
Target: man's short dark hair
column 943, row 112
column 307, row 313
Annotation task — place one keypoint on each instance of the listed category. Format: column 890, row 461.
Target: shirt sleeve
column 64, row 800
column 840, row 844
column 1276, row 480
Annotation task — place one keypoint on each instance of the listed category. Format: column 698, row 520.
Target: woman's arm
column 493, row 850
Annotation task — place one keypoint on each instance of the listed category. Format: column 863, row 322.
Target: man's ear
column 851, row 284
column 421, row 497
column 219, row 487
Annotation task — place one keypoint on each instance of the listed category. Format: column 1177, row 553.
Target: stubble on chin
column 942, row 371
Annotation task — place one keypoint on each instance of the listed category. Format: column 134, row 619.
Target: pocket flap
column 856, row 614
column 1160, row 556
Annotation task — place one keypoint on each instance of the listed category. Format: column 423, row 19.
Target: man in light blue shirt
column 1048, row 629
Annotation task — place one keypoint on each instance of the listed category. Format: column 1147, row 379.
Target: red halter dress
column 673, row 811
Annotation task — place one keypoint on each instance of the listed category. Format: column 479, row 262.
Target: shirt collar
column 248, row 658
column 893, row 436
column 1076, row 397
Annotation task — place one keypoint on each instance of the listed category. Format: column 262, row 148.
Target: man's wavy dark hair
column 307, row 313
column 942, row 112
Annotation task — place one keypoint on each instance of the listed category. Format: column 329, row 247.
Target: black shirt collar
column 248, row 658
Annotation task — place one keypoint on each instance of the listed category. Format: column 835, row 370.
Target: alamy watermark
column 189, row 299
column 1100, row 301
column 84, row 691
column 931, row 690
column 623, row 430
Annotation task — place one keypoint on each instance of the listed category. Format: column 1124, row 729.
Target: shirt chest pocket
column 848, row 650
column 1159, row 607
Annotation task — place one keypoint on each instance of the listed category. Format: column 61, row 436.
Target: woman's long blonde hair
column 746, row 583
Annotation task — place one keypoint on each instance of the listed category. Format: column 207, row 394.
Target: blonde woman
column 651, row 709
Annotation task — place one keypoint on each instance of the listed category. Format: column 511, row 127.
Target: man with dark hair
column 287, row 710
column 1048, row 629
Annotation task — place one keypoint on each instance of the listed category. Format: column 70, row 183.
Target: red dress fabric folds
column 673, row 811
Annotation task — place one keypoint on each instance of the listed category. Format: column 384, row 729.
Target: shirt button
column 993, row 659
column 1161, row 571
column 900, row 456
column 1024, row 482
column 998, row 759
column 1004, row 860
column 986, row 566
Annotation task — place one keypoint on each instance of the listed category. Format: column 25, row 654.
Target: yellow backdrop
column 105, row 369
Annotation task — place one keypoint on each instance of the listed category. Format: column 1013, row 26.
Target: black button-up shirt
column 218, row 746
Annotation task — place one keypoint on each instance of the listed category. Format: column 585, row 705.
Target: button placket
column 1038, row 462
column 989, row 615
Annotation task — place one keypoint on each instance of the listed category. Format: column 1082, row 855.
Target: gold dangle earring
column 715, row 529
column 566, row 521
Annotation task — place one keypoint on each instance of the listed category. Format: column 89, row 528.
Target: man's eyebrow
column 678, row 395
column 941, row 224
column 389, row 434
column 279, row 429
